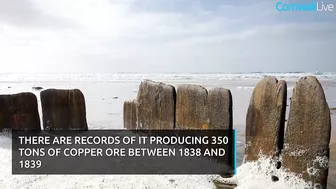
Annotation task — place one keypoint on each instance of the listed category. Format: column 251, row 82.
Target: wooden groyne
column 155, row 105
column 302, row 148
column 61, row 110
column 219, row 109
column 308, row 133
column 19, row 112
column 161, row 106
column 130, row 114
column 265, row 120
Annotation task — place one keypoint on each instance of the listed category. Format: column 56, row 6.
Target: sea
column 105, row 94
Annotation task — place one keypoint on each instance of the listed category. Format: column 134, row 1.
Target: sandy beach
column 333, row 148
column 105, row 95
column 332, row 168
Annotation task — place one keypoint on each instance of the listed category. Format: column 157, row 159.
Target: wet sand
column 333, row 147
column 332, row 168
column 332, row 165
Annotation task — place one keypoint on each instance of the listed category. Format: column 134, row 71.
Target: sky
column 159, row 36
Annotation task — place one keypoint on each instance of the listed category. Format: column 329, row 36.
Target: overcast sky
column 157, row 36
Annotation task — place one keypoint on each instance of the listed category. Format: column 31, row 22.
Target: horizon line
column 289, row 72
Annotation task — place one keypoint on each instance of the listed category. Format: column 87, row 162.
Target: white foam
column 322, row 161
column 166, row 77
column 245, row 87
column 313, row 168
column 258, row 175
column 299, row 152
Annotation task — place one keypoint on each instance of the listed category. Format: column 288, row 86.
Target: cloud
column 162, row 36
column 25, row 14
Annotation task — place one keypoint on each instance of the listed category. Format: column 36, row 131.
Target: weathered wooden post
column 219, row 109
column 265, row 123
column 130, row 115
column 308, row 133
column 265, row 119
column 156, row 105
column 191, row 106
column 63, row 109
column 19, row 112
column 6, row 102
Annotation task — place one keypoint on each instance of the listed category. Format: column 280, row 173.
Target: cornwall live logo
column 311, row 7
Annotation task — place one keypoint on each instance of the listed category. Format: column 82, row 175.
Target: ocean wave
column 136, row 77
column 252, row 87
column 245, row 88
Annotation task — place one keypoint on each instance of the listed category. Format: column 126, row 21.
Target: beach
column 105, row 95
